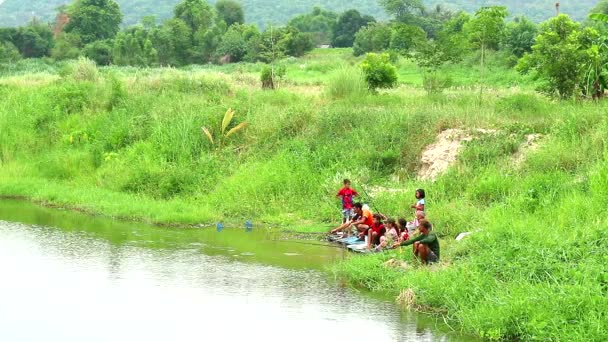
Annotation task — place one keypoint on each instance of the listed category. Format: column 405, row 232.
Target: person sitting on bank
column 375, row 232
column 426, row 245
column 362, row 221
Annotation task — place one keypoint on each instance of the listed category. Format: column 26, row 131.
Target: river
column 66, row 276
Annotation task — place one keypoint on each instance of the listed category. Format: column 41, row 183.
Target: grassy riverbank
column 128, row 143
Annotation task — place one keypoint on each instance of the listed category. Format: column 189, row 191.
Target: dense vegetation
column 128, row 143
column 212, row 142
column 264, row 12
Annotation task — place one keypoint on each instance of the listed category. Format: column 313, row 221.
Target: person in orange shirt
column 363, row 220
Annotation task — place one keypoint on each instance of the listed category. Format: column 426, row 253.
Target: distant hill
column 262, row 12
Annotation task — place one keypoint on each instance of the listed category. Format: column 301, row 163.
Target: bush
column 271, row 75
column 435, row 83
column 82, row 70
column 99, row 51
column 8, row 53
column 379, row 72
column 346, row 82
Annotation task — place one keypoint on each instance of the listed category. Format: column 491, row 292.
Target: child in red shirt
column 346, row 194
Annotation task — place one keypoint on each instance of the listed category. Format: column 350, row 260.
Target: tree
column 295, row 43
column 405, row 38
column 349, row 23
column 173, row 43
column 34, row 40
column 230, row 11
column 99, row 51
column 404, row 11
column 8, row 52
column 378, row 71
column 196, row 14
column 375, row 37
column 94, row 19
column 67, row 46
column 520, row 36
column 320, row 23
column 133, row 46
column 233, row 47
column 485, row 31
column 561, row 55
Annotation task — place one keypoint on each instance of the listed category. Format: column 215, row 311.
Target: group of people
column 381, row 232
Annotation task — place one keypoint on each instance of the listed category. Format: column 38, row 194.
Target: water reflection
column 83, row 284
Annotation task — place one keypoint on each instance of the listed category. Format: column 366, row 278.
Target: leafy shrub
column 271, row 75
column 435, row 83
column 346, row 82
column 8, row 53
column 379, row 72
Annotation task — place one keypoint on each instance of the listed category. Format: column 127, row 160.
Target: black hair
column 346, row 181
column 358, row 205
column 378, row 217
column 421, row 191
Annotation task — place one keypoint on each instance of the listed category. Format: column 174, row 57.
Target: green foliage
column 379, row 72
column 349, row 23
column 230, row 11
column 134, row 47
column 520, row 36
column 405, row 38
column 8, row 53
column 198, row 15
column 94, row 20
column 320, row 23
column 34, row 40
column 405, row 11
column 219, row 137
column 375, row 37
column 347, row 82
column 100, row 52
column 487, row 28
column 270, row 76
column 561, row 51
column 435, row 83
column 67, row 46
column 235, row 42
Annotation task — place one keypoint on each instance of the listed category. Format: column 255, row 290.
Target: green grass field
column 127, row 143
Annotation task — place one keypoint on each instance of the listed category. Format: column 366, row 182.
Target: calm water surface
column 69, row 277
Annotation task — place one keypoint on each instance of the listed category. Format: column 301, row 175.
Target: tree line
column 567, row 57
column 197, row 33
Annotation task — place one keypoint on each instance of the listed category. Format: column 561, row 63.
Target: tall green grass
column 128, row 143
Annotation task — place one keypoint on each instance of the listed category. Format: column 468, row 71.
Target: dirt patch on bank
column 437, row 157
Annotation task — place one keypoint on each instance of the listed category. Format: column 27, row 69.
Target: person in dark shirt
column 426, row 245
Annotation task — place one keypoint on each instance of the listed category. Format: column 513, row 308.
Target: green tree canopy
column 230, row 11
column 520, row 36
column 34, row 40
column 375, row 37
column 94, row 19
column 405, row 11
column 349, row 23
column 320, row 23
column 197, row 14
column 562, row 51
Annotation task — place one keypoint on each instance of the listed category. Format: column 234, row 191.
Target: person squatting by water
column 425, row 245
